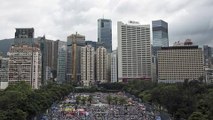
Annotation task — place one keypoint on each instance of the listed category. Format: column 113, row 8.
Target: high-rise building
column 114, row 68
column 160, row 39
column 177, row 63
column 55, row 58
column 74, row 44
column 3, row 72
column 101, row 65
column 25, row 65
column 62, row 60
column 49, row 51
column 208, row 59
column 87, row 65
column 134, row 51
column 24, row 33
column 208, row 63
column 49, row 44
column 105, row 33
column 160, row 33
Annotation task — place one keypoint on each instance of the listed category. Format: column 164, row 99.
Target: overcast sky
column 59, row 18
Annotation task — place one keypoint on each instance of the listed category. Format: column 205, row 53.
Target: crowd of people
column 96, row 106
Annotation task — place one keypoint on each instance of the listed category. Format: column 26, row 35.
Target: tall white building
column 87, row 65
column 134, row 51
column 101, row 65
column 114, row 69
column 25, row 65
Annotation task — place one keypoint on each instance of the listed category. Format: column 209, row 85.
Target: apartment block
column 87, row 65
column 25, row 65
column 134, row 51
column 101, row 65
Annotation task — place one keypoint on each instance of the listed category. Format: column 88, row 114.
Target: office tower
column 101, row 65
column 114, row 69
column 87, row 65
column 3, row 72
column 134, row 51
column 49, row 51
column 177, row 63
column 62, row 60
column 49, row 44
column 24, row 33
column 43, row 49
column 160, row 33
column 55, row 58
column 207, row 50
column 105, row 33
column 25, row 65
column 160, row 39
column 74, row 44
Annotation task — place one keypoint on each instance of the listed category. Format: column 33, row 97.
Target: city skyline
column 62, row 16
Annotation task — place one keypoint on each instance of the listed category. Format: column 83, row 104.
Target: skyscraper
column 207, row 50
column 105, row 33
column 74, row 44
column 101, row 65
column 160, row 39
column 87, row 65
column 160, row 33
column 61, row 61
column 134, row 51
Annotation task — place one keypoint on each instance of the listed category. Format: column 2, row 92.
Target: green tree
column 90, row 99
column 109, row 99
column 115, row 100
column 83, row 99
column 197, row 116
column 122, row 101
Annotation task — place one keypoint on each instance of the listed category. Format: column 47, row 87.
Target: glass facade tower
column 160, row 33
column 105, row 33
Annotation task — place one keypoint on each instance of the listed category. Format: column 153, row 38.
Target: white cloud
column 59, row 18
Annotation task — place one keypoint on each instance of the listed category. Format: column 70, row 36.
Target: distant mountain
column 5, row 45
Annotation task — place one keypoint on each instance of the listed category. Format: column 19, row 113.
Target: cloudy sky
column 59, row 18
